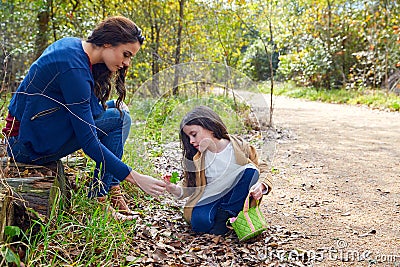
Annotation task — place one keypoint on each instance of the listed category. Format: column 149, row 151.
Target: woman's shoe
column 119, row 203
column 114, row 214
column 119, row 216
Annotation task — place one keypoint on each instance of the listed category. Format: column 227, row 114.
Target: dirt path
column 338, row 185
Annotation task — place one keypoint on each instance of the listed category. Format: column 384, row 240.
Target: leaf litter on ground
column 163, row 238
column 167, row 240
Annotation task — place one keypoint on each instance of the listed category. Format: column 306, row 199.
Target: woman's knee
column 109, row 121
column 126, row 126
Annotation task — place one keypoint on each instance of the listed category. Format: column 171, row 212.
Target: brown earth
column 337, row 186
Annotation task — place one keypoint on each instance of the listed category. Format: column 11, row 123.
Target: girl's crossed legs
column 211, row 218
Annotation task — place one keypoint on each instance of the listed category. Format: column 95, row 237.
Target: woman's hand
column 257, row 190
column 173, row 189
column 148, row 184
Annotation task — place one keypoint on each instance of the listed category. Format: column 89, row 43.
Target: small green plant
column 174, row 178
column 275, row 170
column 6, row 252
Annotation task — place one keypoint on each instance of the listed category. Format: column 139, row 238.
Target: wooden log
column 5, row 212
column 35, row 192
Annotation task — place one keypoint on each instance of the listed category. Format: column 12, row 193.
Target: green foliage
column 156, row 120
column 11, row 231
column 9, row 255
column 321, row 43
column 174, row 178
column 256, row 62
column 340, row 44
column 6, row 252
column 377, row 99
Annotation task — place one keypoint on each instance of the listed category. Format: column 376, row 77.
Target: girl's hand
column 257, row 190
column 167, row 178
column 171, row 188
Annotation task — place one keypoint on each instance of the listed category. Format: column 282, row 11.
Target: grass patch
column 84, row 234
column 377, row 99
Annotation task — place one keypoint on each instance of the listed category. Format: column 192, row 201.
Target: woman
column 62, row 106
column 220, row 171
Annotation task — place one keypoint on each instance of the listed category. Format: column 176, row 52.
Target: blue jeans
column 212, row 217
column 114, row 130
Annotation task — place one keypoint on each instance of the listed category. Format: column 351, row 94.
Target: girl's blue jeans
column 114, row 132
column 212, row 217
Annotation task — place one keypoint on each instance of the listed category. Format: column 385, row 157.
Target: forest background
column 350, row 44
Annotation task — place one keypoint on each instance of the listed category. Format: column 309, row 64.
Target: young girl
column 219, row 172
column 62, row 105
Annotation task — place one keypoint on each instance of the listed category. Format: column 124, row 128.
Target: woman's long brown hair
column 114, row 31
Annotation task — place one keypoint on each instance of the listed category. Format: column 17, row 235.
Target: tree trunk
column 178, row 46
column 42, row 37
column 271, row 68
column 155, row 41
column 329, row 33
column 36, row 195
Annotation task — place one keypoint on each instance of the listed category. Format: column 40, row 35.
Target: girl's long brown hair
column 208, row 119
column 114, row 31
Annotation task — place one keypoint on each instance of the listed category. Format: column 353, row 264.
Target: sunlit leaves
column 221, row 31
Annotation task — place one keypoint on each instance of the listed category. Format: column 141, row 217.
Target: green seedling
column 9, row 255
column 174, row 178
